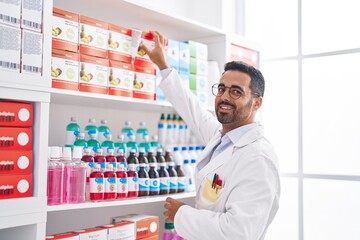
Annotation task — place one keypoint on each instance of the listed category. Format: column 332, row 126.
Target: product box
column 31, row 52
column 64, row 236
column 156, row 237
column 10, row 38
column 247, row 55
column 93, row 36
column 198, row 50
column 10, row 12
column 121, row 78
column 31, row 15
column 122, row 230
column 172, row 54
column 92, row 234
column 144, row 82
column 119, row 43
column 93, row 74
column 199, row 83
column 146, row 226
column 184, row 57
column 15, row 186
column 16, row 114
column 14, row 138
column 16, row 162
column 186, row 79
column 198, row 66
column 65, row 30
column 203, row 98
column 64, row 69
column 139, row 55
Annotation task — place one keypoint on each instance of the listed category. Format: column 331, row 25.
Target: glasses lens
column 215, row 89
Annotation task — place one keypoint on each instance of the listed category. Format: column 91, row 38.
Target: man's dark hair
column 257, row 84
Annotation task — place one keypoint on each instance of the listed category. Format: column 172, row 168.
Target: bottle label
column 133, row 184
column 89, row 168
column 96, row 185
column 122, row 186
column 154, row 184
column 144, row 184
column 110, row 185
column 173, row 183
column 113, row 164
column 124, row 164
column 181, row 183
column 164, row 183
column 102, row 166
column 71, row 137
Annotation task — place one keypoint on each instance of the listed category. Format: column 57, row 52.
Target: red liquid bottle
column 96, row 181
column 133, row 181
column 100, row 159
column 122, row 181
column 120, row 158
column 110, row 158
column 89, row 160
column 110, row 183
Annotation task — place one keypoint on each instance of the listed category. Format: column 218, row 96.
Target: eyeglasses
column 235, row 92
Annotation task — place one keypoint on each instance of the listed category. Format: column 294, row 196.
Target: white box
column 10, row 43
column 10, row 12
column 92, row 234
column 31, row 52
column 122, row 230
column 31, row 15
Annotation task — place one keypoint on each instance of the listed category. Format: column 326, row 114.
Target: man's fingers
column 167, row 205
column 170, row 200
column 142, row 46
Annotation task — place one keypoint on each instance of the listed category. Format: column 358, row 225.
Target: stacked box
column 31, row 15
column 119, row 43
column 92, row 234
column 122, row 230
column 64, row 236
column 10, row 13
column 172, row 54
column 144, row 80
column 139, row 55
column 31, row 52
column 64, row 69
column 121, row 78
column 10, row 48
column 93, row 74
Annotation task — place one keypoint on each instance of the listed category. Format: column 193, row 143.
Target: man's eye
column 221, row 89
column 236, row 92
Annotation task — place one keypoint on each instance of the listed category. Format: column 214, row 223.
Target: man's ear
column 258, row 103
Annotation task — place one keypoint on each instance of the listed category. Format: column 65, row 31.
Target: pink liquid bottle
column 88, row 159
column 120, row 158
column 110, row 158
column 133, row 181
column 122, row 182
column 76, row 178
column 96, row 181
column 110, row 183
column 169, row 233
column 55, row 178
column 66, row 160
column 100, row 159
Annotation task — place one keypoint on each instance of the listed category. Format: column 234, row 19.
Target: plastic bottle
column 103, row 131
column 169, row 233
column 120, row 143
column 122, row 182
column 91, row 129
column 80, row 141
column 154, row 179
column 72, row 132
column 143, row 159
column 55, row 178
column 146, row 143
column 151, row 158
column 155, row 142
column 177, row 158
column 131, row 144
column 126, row 130
column 144, row 181
column 66, row 160
column 180, row 177
column 97, row 185
column 169, row 139
column 108, row 143
column 185, row 154
column 189, row 176
column 162, row 129
column 173, row 177
column 120, row 158
column 110, row 183
column 141, row 132
column 164, row 179
column 110, row 158
column 132, row 159
column 192, row 153
column 198, row 151
column 182, row 131
column 168, row 157
column 100, row 159
column 88, row 159
column 93, row 143
column 77, row 178
column 175, row 129
column 133, row 181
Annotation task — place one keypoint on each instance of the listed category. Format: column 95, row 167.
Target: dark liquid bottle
column 173, row 177
column 154, row 179
column 168, row 157
column 164, row 179
column 144, row 181
column 132, row 159
column 151, row 158
column 159, row 157
column 143, row 159
column 89, row 160
column 181, row 178
column 110, row 158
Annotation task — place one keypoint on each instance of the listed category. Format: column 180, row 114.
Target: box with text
column 92, row 234
column 16, row 162
column 31, row 15
column 15, row 186
column 10, row 48
column 16, row 114
column 31, row 52
column 93, row 74
column 10, row 12
column 14, row 138
column 119, row 43
column 144, row 82
column 121, row 78
column 122, row 230
column 64, row 69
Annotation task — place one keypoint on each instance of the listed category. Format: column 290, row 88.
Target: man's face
column 233, row 113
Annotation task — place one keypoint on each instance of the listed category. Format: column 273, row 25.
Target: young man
column 238, row 186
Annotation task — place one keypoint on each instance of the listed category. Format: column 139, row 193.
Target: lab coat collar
column 251, row 136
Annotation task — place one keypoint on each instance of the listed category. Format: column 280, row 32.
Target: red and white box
column 144, row 81
column 31, row 52
column 64, row 236
column 13, row 138
column 10, row 12
column 92, row 234
column 139, row 55
column 10, row 48
column 64, row 69
column 156, row 237
column 93, row 74
column 146, row 226
column 119, row 43
column 16, row 162
column 93, row 37
column 15, row 186
column 31, row 15
column 16, row 114
column 65, row 30
column 121, row 78
column 122, row 230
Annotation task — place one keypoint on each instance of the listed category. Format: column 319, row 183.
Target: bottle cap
column 186, row 161
column 176, row 149
column 141, row 150
column 103, row 121
column 121, row 137
column 120, row 151
column 169, row 225
column 91, row 120
column 54, row 153
column 183, row 148
column 193, row 160
column 191, row 148
column 198, row 148
column 73, row 119
column 128, row 123
column 66, row 154
column 77, row 152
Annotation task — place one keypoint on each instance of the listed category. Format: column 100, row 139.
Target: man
column 237, row 178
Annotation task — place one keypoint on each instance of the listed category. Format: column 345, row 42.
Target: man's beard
column 235, row 115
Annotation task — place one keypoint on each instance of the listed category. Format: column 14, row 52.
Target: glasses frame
column 216, row 86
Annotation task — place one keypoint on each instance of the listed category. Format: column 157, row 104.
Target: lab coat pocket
column 209, row 193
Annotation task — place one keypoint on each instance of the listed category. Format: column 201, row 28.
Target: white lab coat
column 248, row 200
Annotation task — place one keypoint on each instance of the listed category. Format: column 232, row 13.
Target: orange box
column 64, row 70
column 247, row 55
column 93, row 36
column 121, row 79
column 140, row 57
column 92, row 234
column 156, row 237
column 119, row 43
column 16, row 114
column 65, row 30
column 64, row 236
column 13, row 138
column 144, row 82
column 121, row 230
column 93, row 74
column 146, row 226
column 15, row 186
column 16, row 162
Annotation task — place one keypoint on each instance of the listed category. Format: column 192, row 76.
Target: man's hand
column 157, row 55
column 172, row 206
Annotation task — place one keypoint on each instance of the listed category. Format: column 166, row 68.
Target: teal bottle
column 141, row 132
column 103, row 131
column 126, row 130
column 131, row 144
column 93, row 144
column 81, row 142
column 146, row 143
column 72, row 132
column 155, row 143
column 91, row 128
column 108, row 143
column 120, row 143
